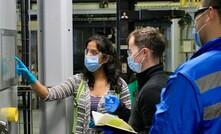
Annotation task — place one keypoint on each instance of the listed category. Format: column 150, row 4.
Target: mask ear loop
column 146, row 55
column 203, row 24
column 138, row 53
column 142, row 59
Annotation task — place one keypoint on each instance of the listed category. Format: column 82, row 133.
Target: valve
column 3, row 127
column 11, row 113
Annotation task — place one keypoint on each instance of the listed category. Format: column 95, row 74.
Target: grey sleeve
column 64, row 89
column 125, row 94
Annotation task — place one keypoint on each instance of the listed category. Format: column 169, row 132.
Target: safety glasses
column 129, row 52
column 203, row 9
column 91, row 51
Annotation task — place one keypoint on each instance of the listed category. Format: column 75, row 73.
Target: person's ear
column 106, row 58
column 211, row 14
column 145, row 51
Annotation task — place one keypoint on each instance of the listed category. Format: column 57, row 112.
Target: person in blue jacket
column 191, row 101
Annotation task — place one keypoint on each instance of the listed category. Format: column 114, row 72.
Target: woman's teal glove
column 111, row 103
column 91, row 124
column 21, row 69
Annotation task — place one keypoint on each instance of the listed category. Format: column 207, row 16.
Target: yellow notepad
column 111, row 121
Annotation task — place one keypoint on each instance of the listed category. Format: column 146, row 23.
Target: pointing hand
column 21, row 69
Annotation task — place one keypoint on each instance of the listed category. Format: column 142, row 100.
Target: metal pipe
column 24, row 9
column 25, row 37
column 118, row 26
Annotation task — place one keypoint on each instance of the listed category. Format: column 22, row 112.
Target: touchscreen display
column 7, row 62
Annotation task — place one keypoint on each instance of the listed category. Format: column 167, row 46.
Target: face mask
column 196, row 37
column 136, row 67
column 196, row 34
column 91, row 63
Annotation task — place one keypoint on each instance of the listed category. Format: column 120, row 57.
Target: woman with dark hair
column 111, row 68
column 101, row 77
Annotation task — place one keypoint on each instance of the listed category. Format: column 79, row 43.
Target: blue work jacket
column 191, row 101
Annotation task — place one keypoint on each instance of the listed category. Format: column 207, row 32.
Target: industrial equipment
column 8, row 88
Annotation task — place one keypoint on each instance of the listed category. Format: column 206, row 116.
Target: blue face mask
column 91, row 63
column 196, row 37
column 136, row 67
column 196, row 34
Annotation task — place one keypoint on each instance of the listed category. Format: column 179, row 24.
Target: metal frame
column 55, row 62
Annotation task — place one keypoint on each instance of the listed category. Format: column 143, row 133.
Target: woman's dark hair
column 111, row 68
